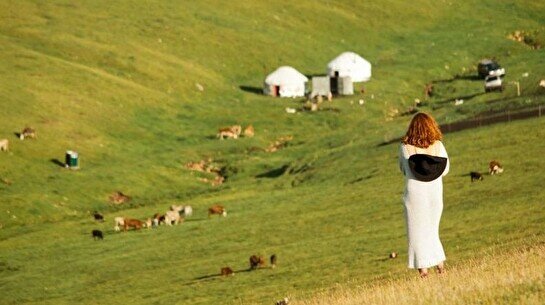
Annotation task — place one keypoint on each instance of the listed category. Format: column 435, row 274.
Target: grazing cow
column 98, row 216
column 256, row 262
column 27, row 133
column 173, row 218
column 218, row 210
column 284, row 301
column 273, row 261
column 132, row 223
column 158, row 219
column 97, row 234
column 393, row 255
column 187, row 211
column 226, row 271
column 148, row 224
column 495, row 168
column 4, row 145
column 476, row 176
column 230, row 132
column 249, row 131
column 119, row 222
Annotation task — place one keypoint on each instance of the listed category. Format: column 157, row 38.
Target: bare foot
column 441, row 268
column 423, row 272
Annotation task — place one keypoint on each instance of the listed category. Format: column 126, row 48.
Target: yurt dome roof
column 285, row 75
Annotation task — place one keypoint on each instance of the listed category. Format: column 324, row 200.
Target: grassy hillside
column 119, row 82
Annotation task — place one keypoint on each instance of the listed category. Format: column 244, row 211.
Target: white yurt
column 285, row 82
column 352, row 65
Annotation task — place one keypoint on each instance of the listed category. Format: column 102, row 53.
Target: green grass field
column 118, row 82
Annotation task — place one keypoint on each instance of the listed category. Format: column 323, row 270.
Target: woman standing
column 423, row 161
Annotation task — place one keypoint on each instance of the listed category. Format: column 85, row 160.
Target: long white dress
column 423, row 203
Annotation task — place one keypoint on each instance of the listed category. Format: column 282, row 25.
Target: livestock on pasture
column 118, row 223
column 158, row 219
column 256, row 262
column 148, row 223
column 494, row 168
column 173, row 218
column 4, row 145
column 273, row 261
column 187, row 211
column 28, row 132
column 476, row 176
column 98, row 216
column 226, row 271
column 217, row 210
column 97, row 234
column 132, row 223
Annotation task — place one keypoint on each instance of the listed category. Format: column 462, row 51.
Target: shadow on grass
column 57, row 162
column 275, row 173
column 211, row 277
column 457, row 77
column 250, row 89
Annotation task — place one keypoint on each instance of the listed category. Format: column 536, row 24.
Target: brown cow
column 256, row 262
column 27, row 133
column 132, row 223
column 495, row 168
column 217, row 209
column 226, row 271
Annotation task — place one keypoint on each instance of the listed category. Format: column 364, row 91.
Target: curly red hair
column 423, row 131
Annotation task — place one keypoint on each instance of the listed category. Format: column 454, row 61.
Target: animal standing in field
column 27, row 133
column 273, row 261
column 249, row 131
column 97, row 234
column 256, row 262
column 187, row 211
column 173, row 218
column 4, row 145
column 132, row 223
column 284, row 301
column 230, row 132
column 148, row 224
column 98, row 216
column 217, row 210
column 476, row 176
column 226, row 271
column 118, row 223
column 158, row 219
column 495, row 168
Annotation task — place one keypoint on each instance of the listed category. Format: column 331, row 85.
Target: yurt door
column 276, row 90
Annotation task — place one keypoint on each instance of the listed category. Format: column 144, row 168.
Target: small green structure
column 71, row 160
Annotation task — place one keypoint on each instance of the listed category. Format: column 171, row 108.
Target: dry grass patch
column 509, row 278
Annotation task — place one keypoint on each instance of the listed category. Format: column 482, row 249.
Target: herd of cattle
column 175, row 215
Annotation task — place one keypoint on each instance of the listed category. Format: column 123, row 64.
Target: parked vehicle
column 492, row 83
column 489, row 67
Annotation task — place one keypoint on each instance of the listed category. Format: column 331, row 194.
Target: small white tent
column 285, row 82
column 350, row 64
